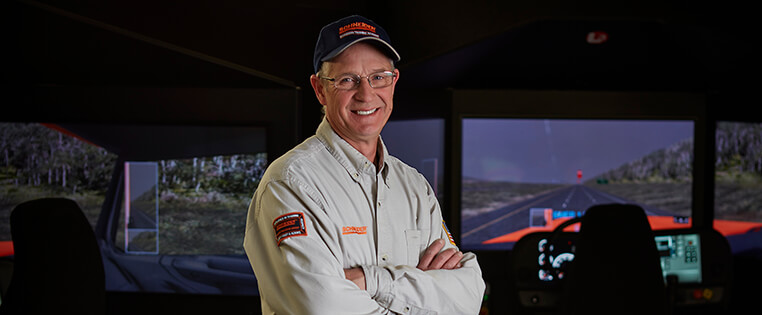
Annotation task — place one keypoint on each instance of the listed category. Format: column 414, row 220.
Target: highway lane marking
column 589, row 195
column 568, row 197
column 512, row 213
column 610, row 196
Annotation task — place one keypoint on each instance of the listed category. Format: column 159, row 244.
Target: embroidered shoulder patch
column 289, row 225
column 449, row 236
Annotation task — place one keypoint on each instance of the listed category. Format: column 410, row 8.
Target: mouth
column 365, row 112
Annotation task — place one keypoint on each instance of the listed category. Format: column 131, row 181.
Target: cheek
column 335, row 109
column 388, row 99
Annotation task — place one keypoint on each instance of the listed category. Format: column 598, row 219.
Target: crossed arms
column 432, row 259
column 307, row 274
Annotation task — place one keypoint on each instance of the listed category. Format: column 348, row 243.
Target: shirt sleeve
column 299, row 271
column 409, row 290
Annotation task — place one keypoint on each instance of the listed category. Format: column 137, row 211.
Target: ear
column 396, row 77
column 317, row 86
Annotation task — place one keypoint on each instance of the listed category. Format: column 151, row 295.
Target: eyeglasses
column 352, row 81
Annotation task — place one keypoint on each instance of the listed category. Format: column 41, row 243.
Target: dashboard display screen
column 680, row 256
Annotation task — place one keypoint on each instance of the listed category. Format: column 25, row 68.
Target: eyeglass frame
column 358, row 78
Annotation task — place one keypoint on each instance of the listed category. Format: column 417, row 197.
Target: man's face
column 357, row 115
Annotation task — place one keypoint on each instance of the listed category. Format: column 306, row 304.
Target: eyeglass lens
column 376, row 80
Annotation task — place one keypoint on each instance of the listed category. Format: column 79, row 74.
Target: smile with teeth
column 365, row 112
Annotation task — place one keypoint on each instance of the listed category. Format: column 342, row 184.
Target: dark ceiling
column 653, row 44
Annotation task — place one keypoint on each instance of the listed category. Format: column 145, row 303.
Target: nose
column 364, row 91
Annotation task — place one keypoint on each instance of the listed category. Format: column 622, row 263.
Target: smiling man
column 339, row 226
column 357, row 107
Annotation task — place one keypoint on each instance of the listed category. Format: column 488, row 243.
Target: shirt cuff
column 378, row 283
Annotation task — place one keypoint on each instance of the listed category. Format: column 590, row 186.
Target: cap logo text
column 357, row 28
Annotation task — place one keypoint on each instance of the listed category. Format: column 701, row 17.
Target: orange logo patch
column 360, row 230
column 289, row 225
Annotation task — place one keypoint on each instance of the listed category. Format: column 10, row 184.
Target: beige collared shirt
column 323, row 207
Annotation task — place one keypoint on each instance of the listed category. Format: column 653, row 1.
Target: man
column 339, row 226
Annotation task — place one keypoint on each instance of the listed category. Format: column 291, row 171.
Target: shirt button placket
column 384, row 245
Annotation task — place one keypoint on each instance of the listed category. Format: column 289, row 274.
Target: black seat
column 57, row 262
column 616, row 268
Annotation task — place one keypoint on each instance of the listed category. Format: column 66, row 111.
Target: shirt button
column 385, row 257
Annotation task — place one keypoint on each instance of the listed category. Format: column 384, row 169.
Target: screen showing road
column 526, row 175
column 738, row 184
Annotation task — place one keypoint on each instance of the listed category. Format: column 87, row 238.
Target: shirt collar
column 352, row 160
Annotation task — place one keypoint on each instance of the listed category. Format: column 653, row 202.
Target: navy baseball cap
column 336, row 37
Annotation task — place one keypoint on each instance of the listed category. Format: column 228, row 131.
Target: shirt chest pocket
column 415, row 246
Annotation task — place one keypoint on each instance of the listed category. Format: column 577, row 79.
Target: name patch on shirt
column 289, row 225
column 360, row 230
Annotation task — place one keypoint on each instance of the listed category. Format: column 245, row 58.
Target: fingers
column 454, row 261
column 430, row 253
column 432, row 259
column 446, row 259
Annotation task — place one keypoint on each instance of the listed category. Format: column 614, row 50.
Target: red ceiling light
column 597, row 37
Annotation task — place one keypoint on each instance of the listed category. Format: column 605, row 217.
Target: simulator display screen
column 39, row 161
column 738, row 184
column 180, row 208
column 680, row 256
column 419, row 143
column 526, row 175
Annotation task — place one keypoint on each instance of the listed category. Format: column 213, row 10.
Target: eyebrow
column 372, row 72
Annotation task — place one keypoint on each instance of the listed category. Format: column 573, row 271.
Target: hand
column 356, row 275
column 432, row 259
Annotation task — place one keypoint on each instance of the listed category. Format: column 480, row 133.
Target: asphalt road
column 516, row 216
